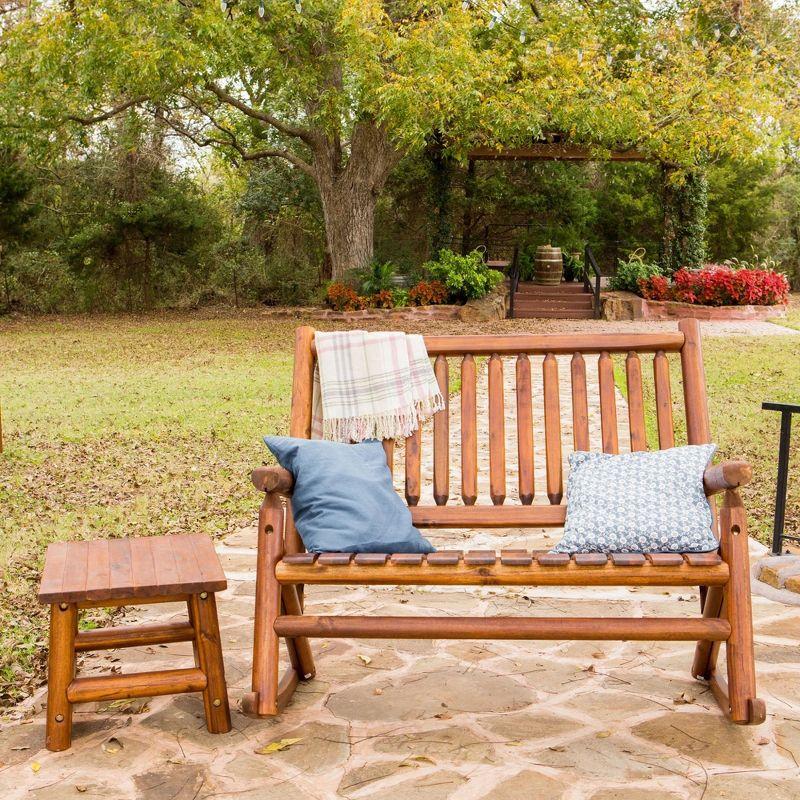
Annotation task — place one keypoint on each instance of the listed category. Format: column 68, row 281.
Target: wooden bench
column 723, row 577
column 135, row 571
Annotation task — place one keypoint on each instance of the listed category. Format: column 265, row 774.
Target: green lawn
column 131, row 425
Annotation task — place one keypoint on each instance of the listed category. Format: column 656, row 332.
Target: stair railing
column 514, row 279
column 591, row 263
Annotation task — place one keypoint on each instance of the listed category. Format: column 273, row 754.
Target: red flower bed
column 719, row 285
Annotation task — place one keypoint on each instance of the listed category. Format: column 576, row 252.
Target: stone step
column 561, row 313
column 555, row 302
column 528, row 287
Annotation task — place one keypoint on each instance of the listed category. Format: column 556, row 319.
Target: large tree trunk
column 349, row 192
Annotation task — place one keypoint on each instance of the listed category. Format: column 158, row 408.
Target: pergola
column 554, row 148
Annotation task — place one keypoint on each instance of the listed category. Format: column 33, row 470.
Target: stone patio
column 429, row 720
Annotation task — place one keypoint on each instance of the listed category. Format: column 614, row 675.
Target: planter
column 626, row 305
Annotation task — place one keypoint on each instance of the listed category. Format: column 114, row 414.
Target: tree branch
column 112, row 112
column 233, row 143
column 284, row 127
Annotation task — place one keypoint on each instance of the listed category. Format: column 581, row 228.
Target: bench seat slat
column 515, row 558
column 449, row 568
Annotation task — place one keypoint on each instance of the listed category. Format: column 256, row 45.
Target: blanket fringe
column 390, row 425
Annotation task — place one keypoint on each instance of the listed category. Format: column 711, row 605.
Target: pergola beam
column 553, row 151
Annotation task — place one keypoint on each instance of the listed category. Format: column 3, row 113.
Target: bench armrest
column 272, row 479
column 727, row 475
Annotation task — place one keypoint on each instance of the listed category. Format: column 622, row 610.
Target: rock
column 358, row 779
column 527, row 785
column 421, row 696
column 493, row 306
column 622, row 793
column 453, row 745
column 746, row 787
column 705, row 736
column 529, row 725
column 435, row 786
column 610, row 706
column 175, row 781
column 611, row 757
column 321, row 747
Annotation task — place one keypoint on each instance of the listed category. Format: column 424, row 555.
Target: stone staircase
column 565, row 301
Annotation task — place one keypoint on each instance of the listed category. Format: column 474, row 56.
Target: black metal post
column 781, row 489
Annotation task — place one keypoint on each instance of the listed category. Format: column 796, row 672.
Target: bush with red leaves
column 341, row 297
column 719, row 285
column 382, row 299
column 655, row 287
column 427, row 293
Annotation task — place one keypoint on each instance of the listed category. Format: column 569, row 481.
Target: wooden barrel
column 548, row 265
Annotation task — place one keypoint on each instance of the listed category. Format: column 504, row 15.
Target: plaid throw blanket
column 371, row 386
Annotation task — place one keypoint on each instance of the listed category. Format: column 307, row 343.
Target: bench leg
column 60, row 672
column 209, row 657
column 263, row 699
column 745, row 707
column 705, row 654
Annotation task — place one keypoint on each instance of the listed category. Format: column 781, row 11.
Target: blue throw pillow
column 642, row 502
column 343, row 499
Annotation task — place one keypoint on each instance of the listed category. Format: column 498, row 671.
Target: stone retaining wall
column 626, row 305
column 493, row 306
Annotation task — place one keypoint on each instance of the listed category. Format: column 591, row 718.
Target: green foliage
column 631, row 271
column 400, row 297
column 37, row 281
column 466, row 277
column 685, row 199
column 377, row 277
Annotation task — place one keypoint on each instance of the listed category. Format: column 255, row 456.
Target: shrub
column 400, row 298
column 465, row 277
column 719, row 285
column 382, row 299
column 630, row 272
column 343, row 298
column 655, row 288
column 427, row 293
column 376, row 278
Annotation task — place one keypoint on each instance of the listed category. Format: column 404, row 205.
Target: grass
column 150, row 425
column 741, row 373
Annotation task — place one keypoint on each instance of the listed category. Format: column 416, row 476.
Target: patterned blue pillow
column 644, row 502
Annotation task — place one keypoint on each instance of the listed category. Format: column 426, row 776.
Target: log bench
column 283, row 568
column 132, row 571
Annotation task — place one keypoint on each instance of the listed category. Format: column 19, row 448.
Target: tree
column 16, row 210
column 341, row 89
column 307, row 87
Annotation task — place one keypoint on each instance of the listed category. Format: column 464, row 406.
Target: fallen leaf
column 513, row 744
column 415, row 761
column 559, row 748
column 599, row 654
column 366, row 659
column 113, row 745
column 35, row 766
column 603, row 734
column 684, row 699
column 81, row 789
column 276, row 747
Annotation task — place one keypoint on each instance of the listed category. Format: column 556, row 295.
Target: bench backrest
column 546, row 398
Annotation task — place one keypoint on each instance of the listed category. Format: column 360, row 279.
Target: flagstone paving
column 422, row 720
